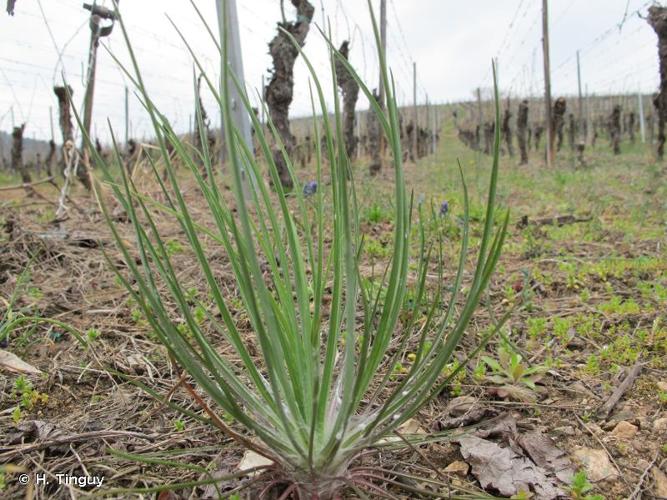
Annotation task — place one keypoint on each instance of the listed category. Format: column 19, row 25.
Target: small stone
column 252, row 459
column 461, row 405
column 136, row 363
column 459, row 468
column 660, row 480
column 641, row 448
column 597, row 464
column 574, row 342
column 627, row 415
column 625, row 430
column 660, row 424
column 595, row 428
column 580, row 388
column 566, row 430
column 609, row 425
column 411, row 426
column 662, row 385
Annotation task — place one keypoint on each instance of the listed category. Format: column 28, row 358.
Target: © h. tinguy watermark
column 60, row 479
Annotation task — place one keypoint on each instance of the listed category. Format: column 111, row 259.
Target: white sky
column 452, row 42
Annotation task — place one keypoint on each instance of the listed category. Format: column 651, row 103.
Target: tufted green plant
column 319, row 387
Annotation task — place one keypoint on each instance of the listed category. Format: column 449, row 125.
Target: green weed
column 580, row 488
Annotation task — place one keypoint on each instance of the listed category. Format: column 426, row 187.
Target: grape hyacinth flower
column 310, row 188
column 444, row 208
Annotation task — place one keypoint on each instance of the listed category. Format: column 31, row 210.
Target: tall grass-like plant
column 318, row 388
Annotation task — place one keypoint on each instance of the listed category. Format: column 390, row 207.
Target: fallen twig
column 559, row 220
column 12, row 452
column 27, row 185
column 615, row 397
column 638, row 489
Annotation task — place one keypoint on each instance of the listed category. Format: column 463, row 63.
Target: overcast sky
column 452, row 42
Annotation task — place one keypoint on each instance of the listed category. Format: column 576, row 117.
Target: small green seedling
column 593, row 365
column 536, row 327
column 376, row 214
column 135, row 314
column 479, row 373
column 513, row 374
column 457, row 376
column 200, row 314
column 173, row 247
column 17, row 415
column 28, row 397
column 662, row 397
column 92, row 334
column 581, row 486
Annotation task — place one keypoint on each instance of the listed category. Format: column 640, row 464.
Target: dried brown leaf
column 506, row 472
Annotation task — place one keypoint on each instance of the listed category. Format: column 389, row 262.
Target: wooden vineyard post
column 547, row 84
column 97, row 31
column 415, row 110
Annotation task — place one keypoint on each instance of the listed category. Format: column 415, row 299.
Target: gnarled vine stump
column 507, row 130
column 374, row 135
column 522, row 129
column 350, row 89
column 615, row 129
column 657, row 18
column 560, row 107
column 280, row 90
column 64, row 95
column 17, row 157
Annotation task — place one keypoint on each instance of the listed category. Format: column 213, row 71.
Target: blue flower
column 444, row 208
column 310, row 188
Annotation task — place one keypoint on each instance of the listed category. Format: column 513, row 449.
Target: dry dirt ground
column 591, row 296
